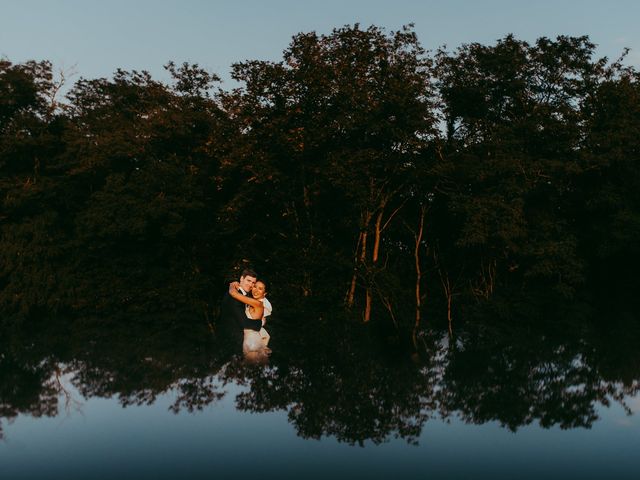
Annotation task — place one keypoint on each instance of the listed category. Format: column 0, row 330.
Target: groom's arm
column 237, row 312
column 234, row 309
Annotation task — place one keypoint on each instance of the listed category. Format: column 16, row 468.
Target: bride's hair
column 264, row 282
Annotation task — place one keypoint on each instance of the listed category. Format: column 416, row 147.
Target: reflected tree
column 355, row 395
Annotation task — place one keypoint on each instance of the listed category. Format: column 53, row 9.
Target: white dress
column 256, row 341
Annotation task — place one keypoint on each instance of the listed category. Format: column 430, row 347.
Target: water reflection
column 353, row 393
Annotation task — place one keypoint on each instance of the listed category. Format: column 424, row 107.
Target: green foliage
column 135, row 197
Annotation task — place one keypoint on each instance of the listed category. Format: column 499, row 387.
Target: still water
column 131, row 409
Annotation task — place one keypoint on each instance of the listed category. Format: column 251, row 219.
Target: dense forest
column 368, row 180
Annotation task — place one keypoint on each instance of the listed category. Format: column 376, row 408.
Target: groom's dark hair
column 248, row 271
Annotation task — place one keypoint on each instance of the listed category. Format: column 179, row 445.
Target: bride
column 257, row 308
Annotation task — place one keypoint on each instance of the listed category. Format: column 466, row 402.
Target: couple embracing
column 245, row 309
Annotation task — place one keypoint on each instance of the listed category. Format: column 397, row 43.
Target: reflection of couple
column 245, row 309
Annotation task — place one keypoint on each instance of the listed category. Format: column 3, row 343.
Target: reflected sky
column 178, row 406
column 98, row 438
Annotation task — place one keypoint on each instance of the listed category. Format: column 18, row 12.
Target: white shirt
column 267, row 307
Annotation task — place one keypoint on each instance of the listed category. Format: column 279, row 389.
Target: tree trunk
column 378, row 232
column 448, row 288
column 448, row 292
column 367, row 307
column 360, row 256
column 416, row 256
column 306, row 285
column 374, row 259
column 449, row 319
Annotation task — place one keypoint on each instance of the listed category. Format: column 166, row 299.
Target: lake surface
column 130, row 408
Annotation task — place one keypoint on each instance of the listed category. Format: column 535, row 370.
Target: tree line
column 359, row 173
column 512, row 378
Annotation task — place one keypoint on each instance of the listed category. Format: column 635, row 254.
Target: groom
column 232, row 312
